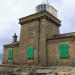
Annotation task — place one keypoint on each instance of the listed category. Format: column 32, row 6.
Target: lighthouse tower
column 35, row 29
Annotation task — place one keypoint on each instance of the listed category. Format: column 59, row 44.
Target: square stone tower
column 35, row 29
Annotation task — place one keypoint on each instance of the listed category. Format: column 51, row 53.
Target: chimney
column 14, row 37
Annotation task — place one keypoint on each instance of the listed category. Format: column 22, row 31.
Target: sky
column 12, row 10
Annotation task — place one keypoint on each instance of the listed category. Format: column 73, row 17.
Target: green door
column 64, row 50
column 10, row 53
column 30, row 53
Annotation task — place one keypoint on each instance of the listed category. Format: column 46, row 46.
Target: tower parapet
column 46, row 7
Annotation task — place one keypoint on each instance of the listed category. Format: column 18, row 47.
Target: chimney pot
column 14, row 37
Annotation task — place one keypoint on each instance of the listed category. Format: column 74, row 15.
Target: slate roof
column 62, row 36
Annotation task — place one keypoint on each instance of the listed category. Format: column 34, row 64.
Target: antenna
column 43, row 1
column 47, row 4
column 47, row 1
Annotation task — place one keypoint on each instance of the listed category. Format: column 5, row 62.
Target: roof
column 62, row 36
column 40, row 15
column 13, row 44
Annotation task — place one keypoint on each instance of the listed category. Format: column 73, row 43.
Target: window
column 30, row 32
column 30, row 53
column 64, row 50
column 10, row 53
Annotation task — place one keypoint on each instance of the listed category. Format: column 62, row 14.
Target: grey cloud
column 6, row 35
column 68, row 16
column 1, row 48
column 18, row 8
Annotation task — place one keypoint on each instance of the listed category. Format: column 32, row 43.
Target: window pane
column 64, row 50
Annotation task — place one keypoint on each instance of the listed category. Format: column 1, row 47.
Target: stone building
column 41, row 45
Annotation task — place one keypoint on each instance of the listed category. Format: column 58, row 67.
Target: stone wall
column 42, row 25
column 36, row 70
column 35, row 29
column 54, row 54
column 15, row 54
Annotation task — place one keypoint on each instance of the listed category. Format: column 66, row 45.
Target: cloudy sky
column 12, row 10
